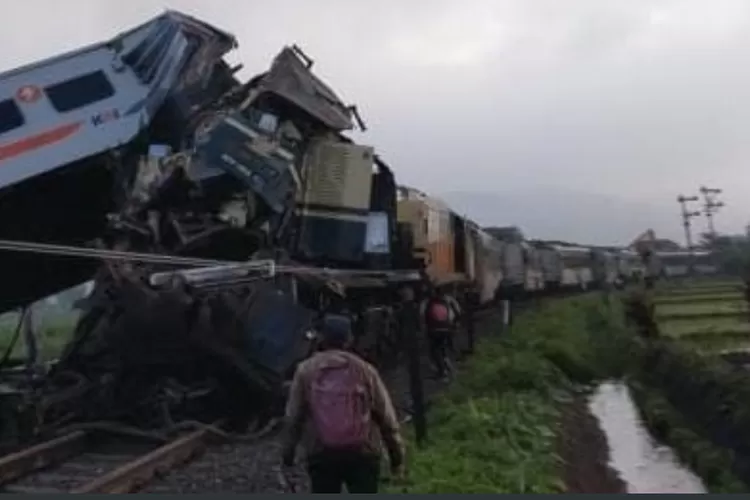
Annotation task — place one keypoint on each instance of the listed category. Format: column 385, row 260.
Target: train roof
column 683, row 253
column 410, row 193
column 171, row 15
column 570, row 248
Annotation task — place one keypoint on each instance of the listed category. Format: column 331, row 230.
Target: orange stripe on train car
column 27, row 144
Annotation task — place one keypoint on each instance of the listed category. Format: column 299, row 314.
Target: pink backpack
column 439, row 312
column 340, row 409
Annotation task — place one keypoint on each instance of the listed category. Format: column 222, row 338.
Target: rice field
column 711, row 317
column 696, row 297
column 712, row 308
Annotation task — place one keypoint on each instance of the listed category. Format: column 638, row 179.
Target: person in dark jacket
column 356, row 465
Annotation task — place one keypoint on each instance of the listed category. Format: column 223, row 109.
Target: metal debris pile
column 155, row 346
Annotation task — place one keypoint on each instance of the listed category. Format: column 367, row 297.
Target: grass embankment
column 495, row 429
column 665, row 423
column 699, row 405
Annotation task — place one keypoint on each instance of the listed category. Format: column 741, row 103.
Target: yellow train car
column 430, row 224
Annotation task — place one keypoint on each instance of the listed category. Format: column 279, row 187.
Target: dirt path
column 585, row 452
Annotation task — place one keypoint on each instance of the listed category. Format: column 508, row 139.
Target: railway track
column 83, row 462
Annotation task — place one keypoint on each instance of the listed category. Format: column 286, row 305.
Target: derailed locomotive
column 148, row 143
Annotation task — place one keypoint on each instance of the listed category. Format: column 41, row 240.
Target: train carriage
column 551, row 264
column 61, row 118
column 577, row 265
column 534, row 271
column 604, row 267
column 630, row 266
column 677, row 264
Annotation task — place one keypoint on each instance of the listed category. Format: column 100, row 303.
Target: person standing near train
column 471, row 304
column 340, row 405
column 439, row 314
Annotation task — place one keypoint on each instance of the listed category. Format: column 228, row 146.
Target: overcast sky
column 637, row 100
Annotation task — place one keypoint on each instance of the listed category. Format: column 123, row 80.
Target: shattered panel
column 254, row 158
column 291, row 80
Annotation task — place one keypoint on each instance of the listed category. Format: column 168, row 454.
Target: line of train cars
column 500, row 262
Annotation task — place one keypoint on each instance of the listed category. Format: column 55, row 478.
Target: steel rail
column 41, row 455
column 133, row 475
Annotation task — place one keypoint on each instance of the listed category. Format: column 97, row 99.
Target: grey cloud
column 631, row 101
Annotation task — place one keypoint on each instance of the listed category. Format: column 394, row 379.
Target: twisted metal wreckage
column 251, row 184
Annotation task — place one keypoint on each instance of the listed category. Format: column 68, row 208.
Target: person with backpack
column 439, row 318
column 457, row 317
column 340, row 408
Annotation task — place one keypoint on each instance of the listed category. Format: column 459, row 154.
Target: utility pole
column 710, row 207
column 686, row 216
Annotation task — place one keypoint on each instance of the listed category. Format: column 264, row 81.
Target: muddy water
column 643, row 464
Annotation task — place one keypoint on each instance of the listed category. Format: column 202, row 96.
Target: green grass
column 687, row 286
column 715, row 344
column 701, row 288
column 495, row 428
column 709, row 325
column 707, row 308
column 710, row 330
column 52, row 337
column 698, row 297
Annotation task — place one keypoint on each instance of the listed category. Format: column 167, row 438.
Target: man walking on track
column 340, row 406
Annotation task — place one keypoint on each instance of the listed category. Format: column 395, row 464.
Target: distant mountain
column 557, row 214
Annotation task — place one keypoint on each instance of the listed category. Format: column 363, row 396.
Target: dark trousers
column 439, row 340
column 329, row 470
